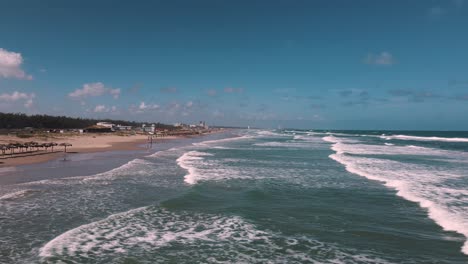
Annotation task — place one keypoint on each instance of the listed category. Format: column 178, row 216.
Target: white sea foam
column 7, row 170
column 330, row 139
column 201, row 166
column 333, row 139
column 163, row 152
column 217, row 141
column 149, row 229
column 300, row 132
column 135, row 167
column 221, row 147
column 416, row 138
column 310, row 138
column 268, row 133
column 205, row 237
column 16, row 195
column 288, row 144
column 366, row 149
column 424, row 184
column 188, row 161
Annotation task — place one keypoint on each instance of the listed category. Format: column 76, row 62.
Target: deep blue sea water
column 281, row 196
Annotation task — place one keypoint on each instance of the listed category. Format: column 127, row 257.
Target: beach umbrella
column 52, row 144
column 34, row 144
column 23, row 146
column 65, row 145
column 12, row 147
column 19, row 146
column 43, row 145
column 30, row 144
column 3, row 148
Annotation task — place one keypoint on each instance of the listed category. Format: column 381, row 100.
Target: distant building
column 202, row 125
column 106, row 124
column 149, row 129
column 123, row 128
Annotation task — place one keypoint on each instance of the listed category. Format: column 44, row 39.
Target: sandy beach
column 80, row 144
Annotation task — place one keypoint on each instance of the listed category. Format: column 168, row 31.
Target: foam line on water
column 269, row 133
column 148, row 228
column 15, row 195
column 134, row 167
column 6, row 170
column 417, row 138
column 201, row 166
column 188, row 162
column 210, row 142
column 311, row 138
column 276, row 144
column 423, row 184
column 66, row 241
column 163, row 152
column 195, row 235
column 386, row 149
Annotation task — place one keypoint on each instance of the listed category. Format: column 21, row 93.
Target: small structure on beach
column 106, row 124
column 123, row 128
column 149, row 129
column 65, row 145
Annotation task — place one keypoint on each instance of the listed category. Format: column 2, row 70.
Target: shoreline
column 88, row 143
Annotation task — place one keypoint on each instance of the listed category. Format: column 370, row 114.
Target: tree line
column 20, row 120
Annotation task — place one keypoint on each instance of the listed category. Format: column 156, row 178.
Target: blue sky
column 304, row 64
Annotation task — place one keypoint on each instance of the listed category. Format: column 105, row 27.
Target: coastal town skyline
column 305, row 64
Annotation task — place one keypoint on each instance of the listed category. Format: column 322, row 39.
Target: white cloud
column 383, row 58
column 18, row 96
column 10, row 65
column 189, row 104
column 93, row 90
column 100, row 109
column 115, row 93
column 104, row 109
column 29, row 103
column 144, row 106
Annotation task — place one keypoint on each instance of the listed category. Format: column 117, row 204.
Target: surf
column 423, row 184
column 418, row 138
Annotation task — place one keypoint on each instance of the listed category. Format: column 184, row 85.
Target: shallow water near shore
column 259, row 197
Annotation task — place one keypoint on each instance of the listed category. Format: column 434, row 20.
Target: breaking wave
column 428, row 185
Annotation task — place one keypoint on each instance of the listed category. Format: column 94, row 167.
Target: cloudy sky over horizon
column 304, row 64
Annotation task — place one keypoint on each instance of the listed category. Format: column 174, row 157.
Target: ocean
column 247, row 196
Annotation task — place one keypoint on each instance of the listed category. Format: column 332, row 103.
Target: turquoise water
column 285, row 196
